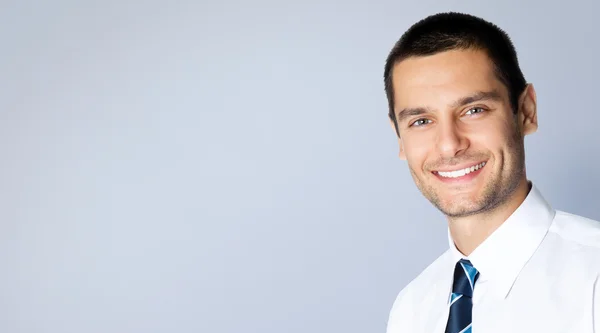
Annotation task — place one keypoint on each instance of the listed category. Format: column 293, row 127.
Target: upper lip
column 459, row 167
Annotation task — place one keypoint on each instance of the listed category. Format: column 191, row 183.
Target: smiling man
column 461, row 107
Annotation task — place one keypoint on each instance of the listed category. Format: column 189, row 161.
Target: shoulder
column 428, row 277
column 411, row 298
column 576, row 229
column 573, row 245
column 572, row 256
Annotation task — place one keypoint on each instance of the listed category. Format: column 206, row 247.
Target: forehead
column 438, row 80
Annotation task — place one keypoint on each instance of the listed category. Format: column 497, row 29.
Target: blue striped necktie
column 461, row 301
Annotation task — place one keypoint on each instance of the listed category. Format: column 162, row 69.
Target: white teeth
column 462, row 172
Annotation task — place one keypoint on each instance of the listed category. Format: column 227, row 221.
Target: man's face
column 463, row 144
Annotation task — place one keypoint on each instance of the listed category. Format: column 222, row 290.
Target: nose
column 450, row 141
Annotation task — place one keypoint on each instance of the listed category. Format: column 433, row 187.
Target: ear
column 528, row 111
column 401, row 153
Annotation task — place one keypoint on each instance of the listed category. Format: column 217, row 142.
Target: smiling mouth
column 460, row 172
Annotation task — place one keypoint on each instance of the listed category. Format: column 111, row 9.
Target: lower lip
column 462, row 179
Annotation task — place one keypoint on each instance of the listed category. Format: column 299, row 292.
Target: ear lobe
column 528, row 111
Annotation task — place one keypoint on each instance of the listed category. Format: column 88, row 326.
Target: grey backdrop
column 227, row 166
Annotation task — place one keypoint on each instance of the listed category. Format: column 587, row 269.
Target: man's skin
column 453, row 112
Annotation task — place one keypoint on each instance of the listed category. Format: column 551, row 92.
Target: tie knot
column 465, row 276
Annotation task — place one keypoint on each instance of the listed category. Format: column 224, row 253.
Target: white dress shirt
column 539, row 272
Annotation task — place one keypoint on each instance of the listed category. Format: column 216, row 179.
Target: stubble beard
column 498, row 189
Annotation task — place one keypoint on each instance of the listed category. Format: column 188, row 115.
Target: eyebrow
column 492, row 95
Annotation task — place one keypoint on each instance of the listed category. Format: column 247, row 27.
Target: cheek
column 416, row 151
column 498, row 143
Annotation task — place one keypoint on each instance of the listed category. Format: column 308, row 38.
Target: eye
column 420, row 122
column 473, row 111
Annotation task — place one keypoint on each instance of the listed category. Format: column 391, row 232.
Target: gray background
column 228, row 166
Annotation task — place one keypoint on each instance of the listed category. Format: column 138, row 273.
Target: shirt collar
column 503, row 254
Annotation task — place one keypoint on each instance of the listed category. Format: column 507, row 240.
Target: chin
column 460, row 207
column 461, row 211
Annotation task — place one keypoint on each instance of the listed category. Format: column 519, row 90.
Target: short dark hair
column 449, row 31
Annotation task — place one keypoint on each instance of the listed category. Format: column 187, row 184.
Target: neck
column 469, row 232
